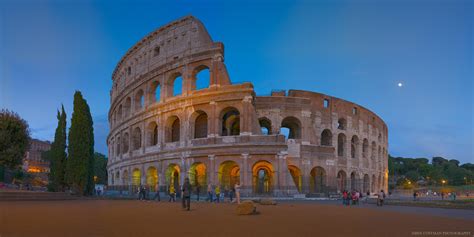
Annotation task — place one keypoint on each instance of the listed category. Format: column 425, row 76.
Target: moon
column 400, row 84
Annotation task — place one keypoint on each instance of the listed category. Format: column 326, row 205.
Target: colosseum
column 175, row 113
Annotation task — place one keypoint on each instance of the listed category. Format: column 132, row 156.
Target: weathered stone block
column 246, row 208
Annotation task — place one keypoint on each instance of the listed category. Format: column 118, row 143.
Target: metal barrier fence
column 245, row 191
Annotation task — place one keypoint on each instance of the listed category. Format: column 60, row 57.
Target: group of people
column 353, row 197
column 214, row 194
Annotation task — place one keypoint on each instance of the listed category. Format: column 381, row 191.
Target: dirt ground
column 134, row 218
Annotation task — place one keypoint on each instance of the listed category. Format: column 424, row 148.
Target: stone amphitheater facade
column 164, row 127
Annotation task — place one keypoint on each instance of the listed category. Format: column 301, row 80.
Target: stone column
column 161, row 176
column 212, row 170
column 305, row 176
column 282, row 187
column 212, row 130
column 143, row 176
column 144, row 133
column 246, row 176
column 245, row 116
column 184, row 166
column 130, row 141
column 306, row 127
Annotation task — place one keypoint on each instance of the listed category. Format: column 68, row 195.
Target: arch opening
column 152, row 134
column 293, row 125
column 136, row 177
column 200, row 125
column 197, row 175
column 152, row 178
column 230, row 122
column 139, row 100
column 172, row 176
column 318, row 180
column 137, row 138
column 342, row 124
column 265, row 126
column 172, row 132
column 366, row 185
column 228, row 174
column 341, row 181
column 202, row 78
column 297, row 177
column 126, row 140
column 262, row 173
column 326, row 138
column 177, row 85
column 341, row 144
column 354, row 146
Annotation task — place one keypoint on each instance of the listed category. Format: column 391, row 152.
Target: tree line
column 440, row 171
column 73, row 163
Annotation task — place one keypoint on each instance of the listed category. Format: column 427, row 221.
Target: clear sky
column 356, row 50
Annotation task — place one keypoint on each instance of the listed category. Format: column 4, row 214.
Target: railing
column 309, row 190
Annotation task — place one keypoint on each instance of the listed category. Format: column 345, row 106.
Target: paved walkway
column 442, row 212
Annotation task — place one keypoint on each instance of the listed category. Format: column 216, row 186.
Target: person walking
column 157, row 194
column 209, row 192
column 381, row 198
column 186, row 196
column 172, row 194
column 344, row 197
column 231, row 194
column 218, row 193
column 237, row 192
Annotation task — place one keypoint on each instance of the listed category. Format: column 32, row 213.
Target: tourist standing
column 186, row 197
column 218, row 193
column 357, row 197
column 237, row 192
column 157, row 194
column 344, row 197
column 209, row 192
column 172, row 194
column 414, row 195
column 381, row 198
column 231, row 193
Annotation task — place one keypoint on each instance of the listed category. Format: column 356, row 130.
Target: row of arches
column 199, row 122
column 291, row 128
column 154, row 93
column 228, row 175
column 262, row 177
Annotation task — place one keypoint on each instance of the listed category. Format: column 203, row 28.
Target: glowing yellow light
column 443, row 181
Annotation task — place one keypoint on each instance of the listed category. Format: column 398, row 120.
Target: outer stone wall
column 283, row 144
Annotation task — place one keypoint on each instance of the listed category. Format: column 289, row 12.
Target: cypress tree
column 57, row 155
column 80, row 163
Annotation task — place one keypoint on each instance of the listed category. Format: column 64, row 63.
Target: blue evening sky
column 356, row 50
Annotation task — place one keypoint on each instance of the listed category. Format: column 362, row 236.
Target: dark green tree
column 57, row 155
column 468, row 166
column 439, row 161
column 100, row 168
column 14, row 140
column 80, row 162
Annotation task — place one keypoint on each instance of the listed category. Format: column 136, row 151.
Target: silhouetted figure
column 186, row 200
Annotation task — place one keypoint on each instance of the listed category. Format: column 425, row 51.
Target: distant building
column 33, row 163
